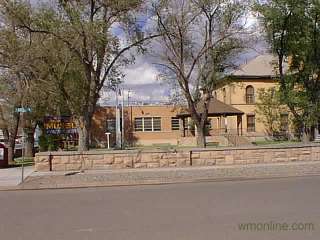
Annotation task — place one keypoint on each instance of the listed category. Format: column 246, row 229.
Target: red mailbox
column 3, row 156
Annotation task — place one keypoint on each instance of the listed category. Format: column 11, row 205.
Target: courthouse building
column 232, row 114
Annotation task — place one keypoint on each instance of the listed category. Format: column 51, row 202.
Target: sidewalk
column 11, row 177
column 125, row 177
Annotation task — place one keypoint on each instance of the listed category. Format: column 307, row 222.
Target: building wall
column 165, row 136
column 235, row 95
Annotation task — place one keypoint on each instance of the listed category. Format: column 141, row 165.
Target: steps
column 317, row 138
column 235, row 140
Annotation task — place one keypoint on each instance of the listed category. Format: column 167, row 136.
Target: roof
column 259, row 67
column 216, row 108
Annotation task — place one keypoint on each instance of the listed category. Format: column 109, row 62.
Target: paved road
column 179, row 211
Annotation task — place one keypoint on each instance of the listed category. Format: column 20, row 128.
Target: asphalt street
column 212, row 210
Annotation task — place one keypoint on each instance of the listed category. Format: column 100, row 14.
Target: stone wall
column 73, row 161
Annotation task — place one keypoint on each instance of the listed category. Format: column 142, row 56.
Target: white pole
column 118, row 133
column 23, row 150
column 108, row 139
column 122, row 113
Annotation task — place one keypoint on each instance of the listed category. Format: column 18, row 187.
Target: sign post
column 108, row 139
column 23, row 110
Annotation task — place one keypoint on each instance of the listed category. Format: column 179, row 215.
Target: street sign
column 23, row 109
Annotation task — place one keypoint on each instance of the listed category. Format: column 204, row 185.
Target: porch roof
column 216, row 108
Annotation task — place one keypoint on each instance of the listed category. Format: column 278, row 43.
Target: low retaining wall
column 73, row 161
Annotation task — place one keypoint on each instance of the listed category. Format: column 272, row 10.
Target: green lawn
column 27, row 161
column 270, row 142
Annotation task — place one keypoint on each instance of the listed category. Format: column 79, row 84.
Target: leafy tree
column 88, row 29
column 269, row 109
column 293, row 31
column 199, row 39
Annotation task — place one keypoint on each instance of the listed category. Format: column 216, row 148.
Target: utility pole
column 118, row 131
column 122, row 113
column 129, row 120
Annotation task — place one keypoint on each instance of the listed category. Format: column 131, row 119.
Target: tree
column 25, row 81
column 293, row 31
column 88, row 30
column 199, row 39
column 269, row 109
column 13, row 82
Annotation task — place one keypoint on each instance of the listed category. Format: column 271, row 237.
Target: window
column 147, row 124
column 224, row 93
column 175, row 125
column 284, row 122
column 138, row 125
column 111, row 125
column 250, row 95
column 251, row 123
column 156, row 124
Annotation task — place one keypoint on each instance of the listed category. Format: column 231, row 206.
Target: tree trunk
column 201, row 137
column 11, row 147
column 306, row 135
column 10, row 135
column 29, row 143
column 84, row 126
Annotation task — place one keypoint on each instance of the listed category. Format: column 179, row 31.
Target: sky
column 141, row 78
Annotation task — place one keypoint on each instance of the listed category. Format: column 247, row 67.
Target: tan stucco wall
column 166, row 135
column 236, row 96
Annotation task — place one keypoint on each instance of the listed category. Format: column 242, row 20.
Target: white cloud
column 141, row 73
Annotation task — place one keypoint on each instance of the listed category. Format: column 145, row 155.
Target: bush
column 48, row 143
column 43, row 143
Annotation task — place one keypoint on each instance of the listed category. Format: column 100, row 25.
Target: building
column 241, row 93
column 166, row 124
column 232, row 115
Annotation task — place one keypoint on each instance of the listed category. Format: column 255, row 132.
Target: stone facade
column 95, row 160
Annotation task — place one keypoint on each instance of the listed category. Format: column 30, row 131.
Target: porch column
column 225, row 124
column 241, row 124
column 182, row 127
column 238, row 124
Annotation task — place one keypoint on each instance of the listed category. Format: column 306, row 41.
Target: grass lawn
column 27, row 161
column 270, row 142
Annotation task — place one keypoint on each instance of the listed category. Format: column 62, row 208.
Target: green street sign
column 23, row 110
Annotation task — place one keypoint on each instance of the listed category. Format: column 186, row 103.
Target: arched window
column 224, row 95
column 250, row 95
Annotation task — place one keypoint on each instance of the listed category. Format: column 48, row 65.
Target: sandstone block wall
column 73, row 161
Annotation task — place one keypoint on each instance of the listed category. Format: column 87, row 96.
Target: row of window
column 153, row 124
column 147, row 124
column 250, row 98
